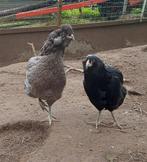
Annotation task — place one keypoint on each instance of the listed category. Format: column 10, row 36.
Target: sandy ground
column 26, row 137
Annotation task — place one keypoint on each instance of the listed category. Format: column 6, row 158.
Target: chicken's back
column 114, row 72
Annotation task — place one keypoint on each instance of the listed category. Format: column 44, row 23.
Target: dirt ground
column 26, row 137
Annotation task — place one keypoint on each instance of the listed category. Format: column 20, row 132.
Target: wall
column 90, row 38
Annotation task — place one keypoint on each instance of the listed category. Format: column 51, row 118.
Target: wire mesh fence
column 42, row 13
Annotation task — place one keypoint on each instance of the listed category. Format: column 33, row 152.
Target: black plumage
column 45, row 75
column 103, row 85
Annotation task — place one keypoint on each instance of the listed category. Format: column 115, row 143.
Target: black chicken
column 45, row 75
column 103, row 85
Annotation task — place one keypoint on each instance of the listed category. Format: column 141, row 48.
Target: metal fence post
column 143, row 9
column 125, row 7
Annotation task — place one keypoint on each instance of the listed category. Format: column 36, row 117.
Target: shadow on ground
column 21, row 138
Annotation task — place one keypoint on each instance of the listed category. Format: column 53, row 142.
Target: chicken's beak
column 88, row 64
column 71, row 37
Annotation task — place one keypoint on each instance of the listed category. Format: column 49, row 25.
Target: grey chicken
column 45, row 75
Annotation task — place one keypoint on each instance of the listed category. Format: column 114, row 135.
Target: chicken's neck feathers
column 49, row 48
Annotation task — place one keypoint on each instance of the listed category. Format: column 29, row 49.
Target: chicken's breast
column 45, row 77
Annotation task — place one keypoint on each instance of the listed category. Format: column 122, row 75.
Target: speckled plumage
column 45, row 75
column 56, row 40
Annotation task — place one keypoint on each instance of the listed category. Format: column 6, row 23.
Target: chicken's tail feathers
column 131, row 91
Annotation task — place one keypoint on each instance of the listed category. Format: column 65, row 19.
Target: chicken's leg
column 115, row 121
column 98, row 119
column 49, row 115
column 47, row 108
column 43, row 105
